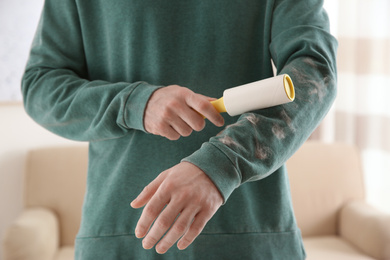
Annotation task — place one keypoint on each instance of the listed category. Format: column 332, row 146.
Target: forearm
column 84, row 110
column 260, row 142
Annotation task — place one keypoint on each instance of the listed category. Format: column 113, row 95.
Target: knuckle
column 167, row 186
column 199, row 125
column 209, row 207
column 203, row 105
column 174, row 138
column 141, row 227
column 171, row 135
column 152, row 240
column 163, row 223
column 150, row 211
column 184, row 196
column 197, row 228
column 186, row 132
column 161, row 196
column 193, row 98
column 186, row 240
column 176, row 86
column 180, row 227
column 173, row 102
column 147, row 189
column 160, row 126
column 196, row 200
column 183, row 91
column 166, row 113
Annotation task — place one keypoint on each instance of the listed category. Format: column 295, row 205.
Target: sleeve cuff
column 217, row 166
column 135, row 105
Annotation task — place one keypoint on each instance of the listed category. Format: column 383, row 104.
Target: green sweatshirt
column 95, row 63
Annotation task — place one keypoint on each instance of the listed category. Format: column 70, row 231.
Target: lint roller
column 256, row 95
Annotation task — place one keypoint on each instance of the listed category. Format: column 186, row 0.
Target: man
column 133, row 78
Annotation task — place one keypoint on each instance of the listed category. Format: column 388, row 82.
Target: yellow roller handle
column 219, row 105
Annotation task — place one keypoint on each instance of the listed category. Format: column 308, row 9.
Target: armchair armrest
column 366, row 228
column 33, row 235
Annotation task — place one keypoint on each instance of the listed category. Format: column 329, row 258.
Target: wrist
column 135, row 105
column 217, row 166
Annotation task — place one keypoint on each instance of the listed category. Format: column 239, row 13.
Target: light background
column 19, row 19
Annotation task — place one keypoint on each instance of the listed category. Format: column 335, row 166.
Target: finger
column 180, row 226
column 164, row 129
column 188, row 119
column 211, row 99
column 150, row 213
column 206, row 97
column 195, row 229
column 181, row 127
column 163, row 222
column 193, row 119
column 170, row 133
column 149, row 190
column 204, row 107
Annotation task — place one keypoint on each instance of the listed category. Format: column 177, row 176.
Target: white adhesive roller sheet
column 256, row 95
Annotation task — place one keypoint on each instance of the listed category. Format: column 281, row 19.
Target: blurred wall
column 18, row 22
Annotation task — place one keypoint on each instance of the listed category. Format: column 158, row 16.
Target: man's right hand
column 175, row 111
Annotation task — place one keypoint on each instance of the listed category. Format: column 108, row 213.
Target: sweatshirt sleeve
column 57, row 93
column 260, row 142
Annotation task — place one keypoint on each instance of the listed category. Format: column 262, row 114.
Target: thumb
column 208, row 98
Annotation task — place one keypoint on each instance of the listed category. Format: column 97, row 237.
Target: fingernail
column 161, row 249
column 132, row 203
column 146, row 244
column 181, row 246
column 138, row 233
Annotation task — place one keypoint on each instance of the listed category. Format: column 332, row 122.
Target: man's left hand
column 180, row 201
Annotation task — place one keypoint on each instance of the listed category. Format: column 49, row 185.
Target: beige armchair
column 326, row 184
column 54, row 186
column 328, row 196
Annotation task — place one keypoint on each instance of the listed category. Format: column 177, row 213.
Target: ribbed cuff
column 135, row 105
column 216, row 165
